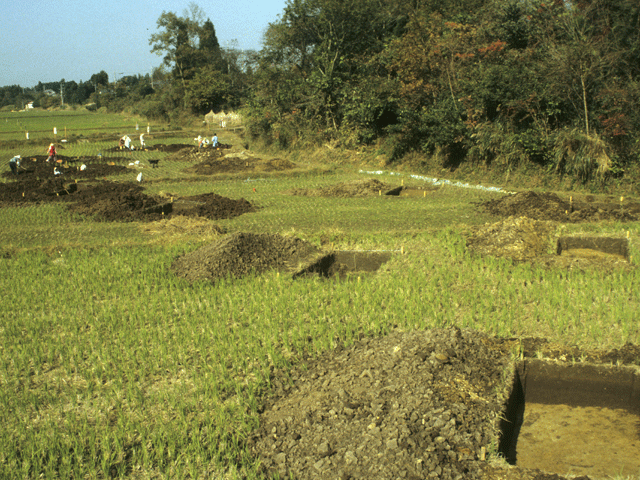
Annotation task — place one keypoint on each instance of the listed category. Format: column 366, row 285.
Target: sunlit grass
column 111, row 366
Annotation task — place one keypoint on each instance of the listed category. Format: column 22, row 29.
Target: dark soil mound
column 192, row 154
column 549, row 206
column 156, row 148
column 358, row 188
column 176, row 147
column 409, row 405
column 36, row 181
column 239, row 254
column 216, row 163
column 212, row 206
column 112, row 201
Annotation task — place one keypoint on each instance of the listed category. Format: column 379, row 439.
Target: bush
column 581, row 155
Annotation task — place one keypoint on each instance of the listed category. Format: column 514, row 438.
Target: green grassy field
column 110, row 366
column 68, row 123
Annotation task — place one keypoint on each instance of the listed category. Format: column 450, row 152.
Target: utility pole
column 61, row 94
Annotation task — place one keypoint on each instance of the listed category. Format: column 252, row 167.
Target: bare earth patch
column 550, row 206
column 357, row 188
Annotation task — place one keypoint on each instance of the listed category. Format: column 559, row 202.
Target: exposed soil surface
column 111, row 201
column 409, row 405
column 114, row 201
column 357, row 188
column 38, row 182
column 159, row 147
column 412, row 405
column 549, row 206
column 126, row 202
column 530, row 233
column 213, row 162
column 212, row 206
column 239, row 254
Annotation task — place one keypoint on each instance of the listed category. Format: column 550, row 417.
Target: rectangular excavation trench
column 593, row 246
column 576, row 419
column 340, row 264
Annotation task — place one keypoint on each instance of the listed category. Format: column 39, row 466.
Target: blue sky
column 48, row 40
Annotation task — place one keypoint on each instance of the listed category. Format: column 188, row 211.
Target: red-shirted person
column 52, row 152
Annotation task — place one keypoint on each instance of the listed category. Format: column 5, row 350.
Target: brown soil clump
column 217, row 163
column 549, row 206
column 357, row 188
column 410, row 405
column 212, row 206
column 240, row 254
column 524, row 239
column 176, row 147
column 519, row 238
column 37, row 183
column 112, row 201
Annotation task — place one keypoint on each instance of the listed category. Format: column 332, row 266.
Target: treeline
column 196, row 76
column 497, row 82
column 502, row 82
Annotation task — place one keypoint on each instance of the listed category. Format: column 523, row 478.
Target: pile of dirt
column 518, row 238
column 239, row 254
column 212, row 206
column 410, row 405
column 36, row 169
column 36, row 181
column 192, row 154
column 216, row 163
column 156, row 148
column 357, row 188
column 549, row 206
column 523, row 239
column 111, row 201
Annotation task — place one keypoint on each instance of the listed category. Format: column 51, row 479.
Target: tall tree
column 209, row 46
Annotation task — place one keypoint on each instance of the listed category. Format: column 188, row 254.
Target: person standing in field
column 14, row 163
column 142, row 140
column 214, row 140
column 52, row 152
column 127, row 142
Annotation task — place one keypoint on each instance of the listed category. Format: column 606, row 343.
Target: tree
column 208, row 90
column 209, row 46
column 99, row 79
column 581, row 61
column 187, row 43
column 320, row 48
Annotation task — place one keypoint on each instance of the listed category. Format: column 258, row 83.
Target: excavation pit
column 579, row 419
column 403, row 191
column 341, row 264
column 593, row 247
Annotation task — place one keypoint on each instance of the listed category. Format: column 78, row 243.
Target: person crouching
column 14, row 164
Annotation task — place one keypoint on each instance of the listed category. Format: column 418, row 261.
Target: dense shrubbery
column 502, row 83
